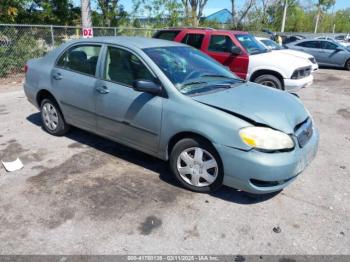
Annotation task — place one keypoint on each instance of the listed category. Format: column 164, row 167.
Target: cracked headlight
column 265, row 138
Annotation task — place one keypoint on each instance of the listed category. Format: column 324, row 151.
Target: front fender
column 277, row 70
column 213, row 124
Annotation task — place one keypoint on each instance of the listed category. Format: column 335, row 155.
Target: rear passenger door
column 123, row 114
column 312, row 47
column 73, row 80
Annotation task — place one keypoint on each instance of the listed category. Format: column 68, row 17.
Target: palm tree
column 86, row 13
column 322, row 5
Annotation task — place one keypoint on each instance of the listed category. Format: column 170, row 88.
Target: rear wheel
column 347, row 65
column 52, row 118
column 196, row 165
column 269, row 80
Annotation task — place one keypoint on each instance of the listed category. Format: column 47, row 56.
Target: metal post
column 52, row 37
column 115, row 31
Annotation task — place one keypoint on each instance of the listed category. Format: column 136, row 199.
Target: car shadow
column 151, row 163
column 333, row 68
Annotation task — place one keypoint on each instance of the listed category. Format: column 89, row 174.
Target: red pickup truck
column 245, row 56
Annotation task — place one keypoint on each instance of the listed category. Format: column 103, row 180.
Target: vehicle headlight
column 266, row 138
column 301, row 72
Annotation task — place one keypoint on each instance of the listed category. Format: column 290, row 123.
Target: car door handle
column 57, row 76
column 102, row 90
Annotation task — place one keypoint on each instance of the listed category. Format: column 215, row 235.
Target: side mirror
column 235, row 50
column 339, row 49
column 147, row 87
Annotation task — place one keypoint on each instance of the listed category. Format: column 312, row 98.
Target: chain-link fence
column 19, row 43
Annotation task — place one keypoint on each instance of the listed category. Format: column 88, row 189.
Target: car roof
column 133, row 41
column 207, row 30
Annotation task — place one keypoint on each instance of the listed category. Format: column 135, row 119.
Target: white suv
column 272, row 45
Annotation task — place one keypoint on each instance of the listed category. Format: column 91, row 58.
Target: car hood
column 295, row 53
column 278, row 59
column 259, row 104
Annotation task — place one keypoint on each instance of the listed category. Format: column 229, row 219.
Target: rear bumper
column 257, row 172
column 30, row 94
column 292, row 85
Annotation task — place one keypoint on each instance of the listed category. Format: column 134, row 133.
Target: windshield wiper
column 191, row 83
column 213, row 75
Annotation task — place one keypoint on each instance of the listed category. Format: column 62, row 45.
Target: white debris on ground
column 12, row 166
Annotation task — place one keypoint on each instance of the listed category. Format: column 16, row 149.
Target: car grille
column 304, row 132
column 312, row 60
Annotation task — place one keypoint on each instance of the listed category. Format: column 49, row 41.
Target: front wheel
column 269, row 80
column 196, row 165
column 347, row 65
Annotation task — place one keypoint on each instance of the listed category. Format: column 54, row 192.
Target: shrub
column 14, row 55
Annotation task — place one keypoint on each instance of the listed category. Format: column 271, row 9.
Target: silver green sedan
column 173, row 102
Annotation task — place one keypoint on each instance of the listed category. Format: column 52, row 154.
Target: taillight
column 25, row 68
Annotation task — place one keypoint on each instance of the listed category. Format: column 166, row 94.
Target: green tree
column 61, row 12
column 342, row 20
column 113, row 14
column 10, row 9
column 159, row 12
column 239, row 16
column 194, row 10
column 322, row 6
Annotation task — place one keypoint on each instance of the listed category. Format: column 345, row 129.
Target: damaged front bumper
column 258, row 172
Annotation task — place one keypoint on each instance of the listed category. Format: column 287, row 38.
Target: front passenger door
column 123, row 114
column 219, row 48
column 330, row 55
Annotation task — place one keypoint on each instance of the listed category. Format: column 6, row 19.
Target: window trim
column 75, row 45
column 194, row 33
column 156, row 35
column 220, row 52
column 103, row 67
column 308, row 41
column 327, row 42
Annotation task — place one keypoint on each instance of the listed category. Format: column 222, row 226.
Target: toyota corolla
column 174, row 102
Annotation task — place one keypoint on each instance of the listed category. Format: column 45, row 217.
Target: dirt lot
column 82, row 194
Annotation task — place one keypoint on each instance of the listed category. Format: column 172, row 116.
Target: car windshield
column 251, row 44
column 190, row 70
column 271, row 44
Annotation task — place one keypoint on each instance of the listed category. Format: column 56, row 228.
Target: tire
column 269, row 80
column 347, row 65
column 195, row 176
column 52, row 118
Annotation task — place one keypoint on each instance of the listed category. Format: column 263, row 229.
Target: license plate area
column 304, row 133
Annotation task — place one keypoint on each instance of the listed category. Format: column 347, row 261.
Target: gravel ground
column 81, row 194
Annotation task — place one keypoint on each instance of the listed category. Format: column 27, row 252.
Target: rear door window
column 194, row 40
column 310, row 44
column 220, row 43
column 82, row 59
column 167, row 35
